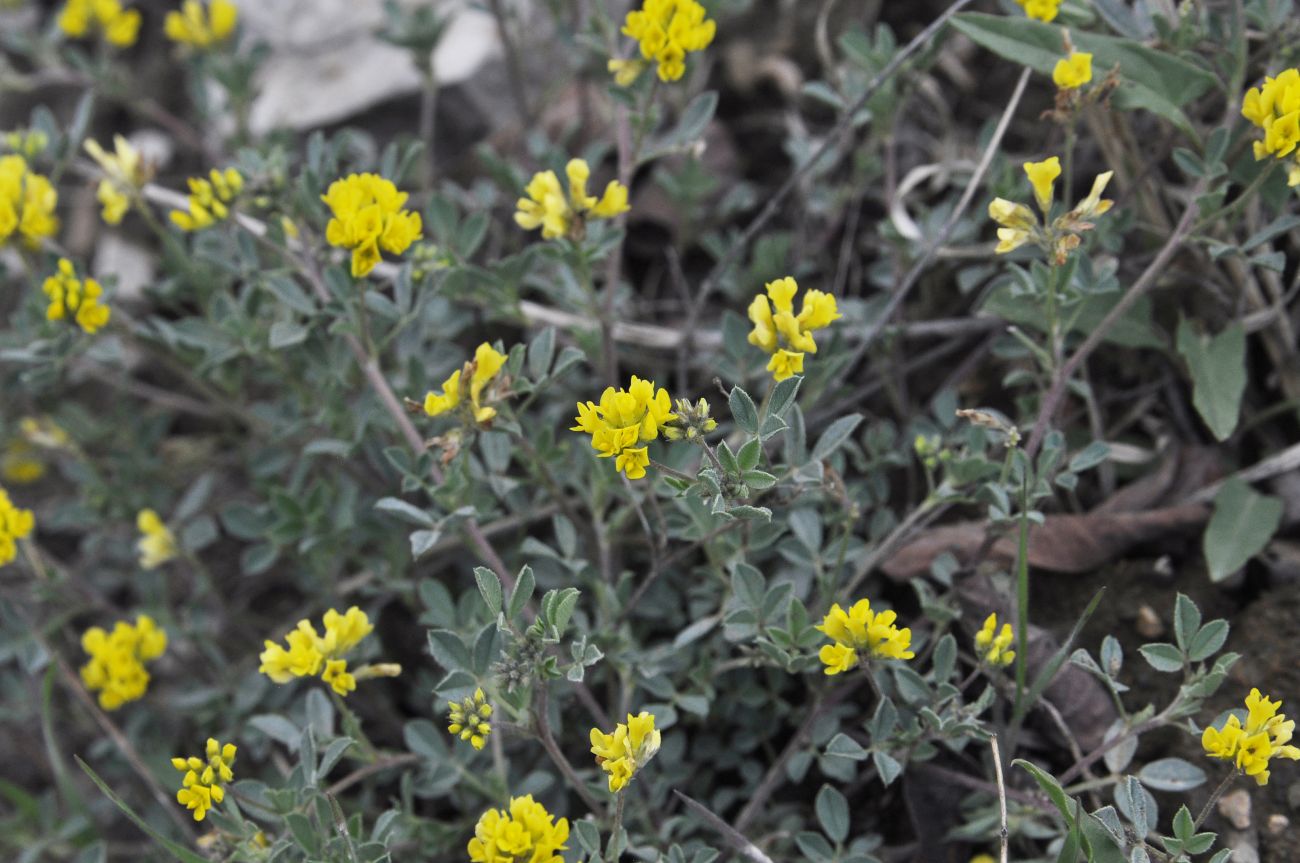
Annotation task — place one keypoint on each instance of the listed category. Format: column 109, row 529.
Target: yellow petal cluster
column 1041, row 10
column 1275, row 108
column 627, row 749
column 468, row 719
column 75, row 300
column 623, row 419
column 157, row 544
column 525, row 833
column 116, row 667
column 782, row 333
column 119, row 25
column 209, row 199
column 861, row 630
column 124, row 175
column 309, row 653
column 993, row 646
column 20, row 463
column 15, row 524
column 478, row 372
column 368, row 216
column 1073, row 71
column 667, row 31
column 202, row 785
column 547, row 206
column 27, row 202
column 1018, row 224
column 1266, row 734
column 200, row 26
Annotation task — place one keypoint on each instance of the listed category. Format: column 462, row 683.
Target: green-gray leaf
column 1218, row 368
column 1242, row 524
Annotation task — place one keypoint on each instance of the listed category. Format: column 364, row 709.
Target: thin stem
column 1022, row 597
column 542, row 725
column 1214, row 798
column 1052, row 401
column 1003, row 834
column 616, row 829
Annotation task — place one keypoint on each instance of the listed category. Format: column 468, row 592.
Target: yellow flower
column 623, row 419
column 19, row 463
column 1275, row 108
column 627, row 749
column 1042, row 10
column 861, row 630
column 309, row 653
column 203, row 780
column 198, row 27
column 667, row 31
column 368, row 216
column 625, row 72
column 1266, row 734
column 1019, row 225
column 27, row 202
column 124, row 175
column 116, row 667
column 1074, row 71
column 469, row 719
column 1042, row 176
column 525, row 833
column 782, row 333
column 119, row 25
column 336, row 675
column 157, row 545
column 72, row 298
column 15, row 524
column 480, row 371
column 690, row 421
column 1094, row 205
column 994, row 648
column 208, row 199
column 546, row 205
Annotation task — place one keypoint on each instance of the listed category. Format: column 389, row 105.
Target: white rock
column 326, row 63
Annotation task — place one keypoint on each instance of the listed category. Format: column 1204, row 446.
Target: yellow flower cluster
column 479, row 372
column 124, row 175
column 156, row 545
column 119, row 25
column 526, row 833
column 1058, row 238
column 547, row 206
column 1073, row 71
column 201, row 27
column 784, row 335
column 1266, row 734
column 309, row 653
column 993, row 646
column 208, row 199
column 1275, row 108
column 73, row 299
column 27, row 202
column 667, row 30
column 469, row 719
column 368, row 216
column 625, row 751
column 861, row 630
column 1041, row 10
column 202, row 783
column 623, row 419
column 116, row 667
column 21, row 461
column 15, row 524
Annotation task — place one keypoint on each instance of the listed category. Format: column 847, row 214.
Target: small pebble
column 1277, row 822
column 1149, row 624
column 1235, row 806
